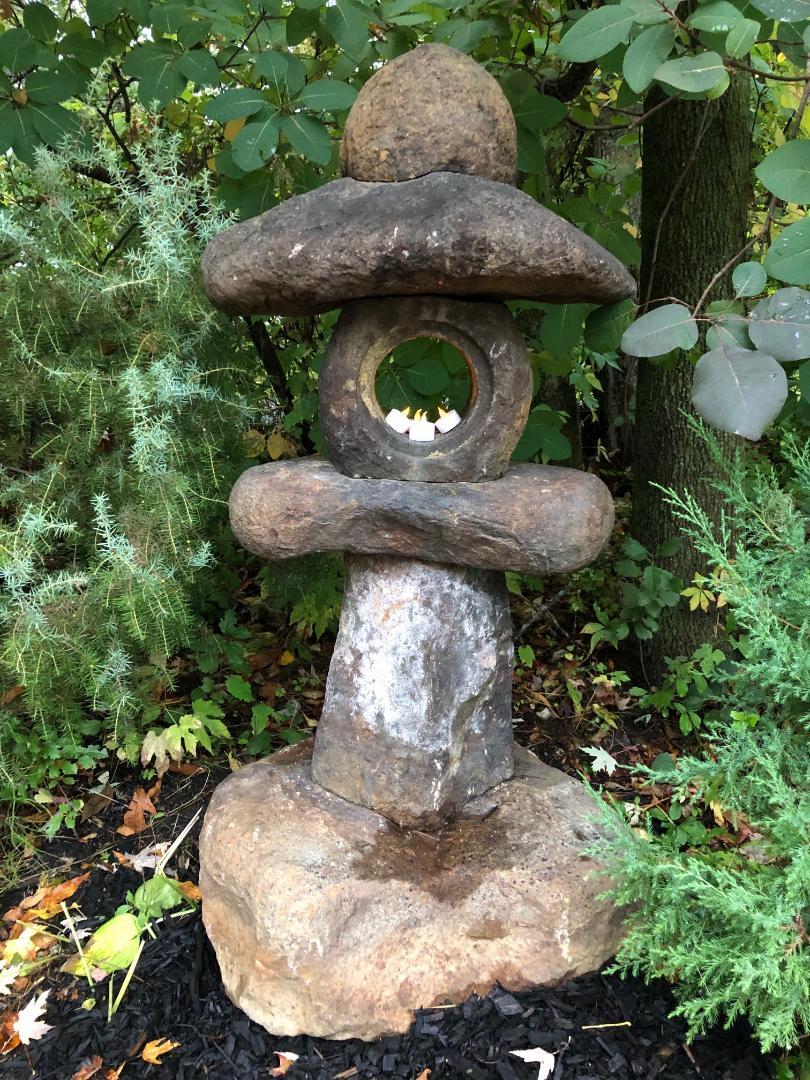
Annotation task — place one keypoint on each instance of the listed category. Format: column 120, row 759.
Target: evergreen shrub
column 730, row 925
column 124, row 396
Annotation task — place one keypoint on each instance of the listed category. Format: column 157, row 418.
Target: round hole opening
column 424, row 379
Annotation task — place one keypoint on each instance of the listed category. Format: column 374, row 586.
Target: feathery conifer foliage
column 732, row 928
column 124, row 395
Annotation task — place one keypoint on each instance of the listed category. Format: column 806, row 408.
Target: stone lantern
column 413, row 854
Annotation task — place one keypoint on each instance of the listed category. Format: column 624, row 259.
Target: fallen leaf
column 424, row 1075
column 185, row 768
column 45, row 902
column 96, row 803
column 286, row 658
column 189, row 890
column 147, row 859
column 29, row 1025
column 154, row 1051
column 135, row 814
column 284, row 1062
column 90, row 1069
column 279, row 445
column 9, row 1039
column 540, row 1057
column 112, row 947
column 10, row 695
column 25, row 941
column 8, row 976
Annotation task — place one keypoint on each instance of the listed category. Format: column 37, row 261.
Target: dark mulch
column 176, row 994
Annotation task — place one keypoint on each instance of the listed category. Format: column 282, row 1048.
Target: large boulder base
column 446, row 234
column 417, row 716
column 537, row 519
column 432, row 109
column 328, row 919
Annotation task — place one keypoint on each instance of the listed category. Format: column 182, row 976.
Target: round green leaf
column 789, row 11
column 51, row 87
column 542, row 435
column 283, row 71
column 738, row 390
column 780, row 325
column 100, row 12
column 347, row 23
column 717, row 17
column 327, row 95
column 788, row 257
column 605, row 325
column 52, row 122
column 199, row 67
column 308, row 137
column 749, row 279
column 428, row 376
column 537, row 112
column 155, row 67
column 18, row 50
column 786, row 171
column 562, row 327
column 741, row 37
column 732, row 330
column 234, row 104
column 692, row 73
column 257, row 141
column 668, row 327
column 650, row 12
column 40, row 21
column 646, row 54
column 597, row 33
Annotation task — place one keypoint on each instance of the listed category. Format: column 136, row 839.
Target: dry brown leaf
column 135, row 814
column 90, row 1069
column 424, row 1075
column 185, row 768
column 96, row 803
column 10, row 695
column 284, row 1062
column 189, row 890
column 45, row 902
column 264, row 658
column 154, row 1050
column 9, row 1039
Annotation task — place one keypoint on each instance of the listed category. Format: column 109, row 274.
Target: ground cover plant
column 135, row 635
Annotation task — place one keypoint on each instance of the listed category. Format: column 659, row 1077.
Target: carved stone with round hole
column 359, row 441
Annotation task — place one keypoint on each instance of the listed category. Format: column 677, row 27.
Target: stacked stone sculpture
column 414, row 854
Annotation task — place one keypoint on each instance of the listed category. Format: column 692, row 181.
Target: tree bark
column 696, row 183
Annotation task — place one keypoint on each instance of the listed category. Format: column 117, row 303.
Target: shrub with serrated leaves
column 120, row 418
column 730, row 925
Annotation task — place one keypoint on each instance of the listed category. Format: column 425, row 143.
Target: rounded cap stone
column 431, row 110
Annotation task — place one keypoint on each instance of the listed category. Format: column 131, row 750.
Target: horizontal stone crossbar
column 536, row 519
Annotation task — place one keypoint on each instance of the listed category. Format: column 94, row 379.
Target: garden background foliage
column 128, row 135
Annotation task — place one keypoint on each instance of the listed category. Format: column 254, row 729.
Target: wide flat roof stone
column 444, row 234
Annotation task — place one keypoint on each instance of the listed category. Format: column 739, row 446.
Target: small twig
column 740, row 66
column 543, row 611
column 598, row 1027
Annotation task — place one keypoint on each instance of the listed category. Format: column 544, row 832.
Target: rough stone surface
column 417, row 716
column 361, row 443
column 444, row 234
column 327, row 919
column 433, row 109
column 537, row 519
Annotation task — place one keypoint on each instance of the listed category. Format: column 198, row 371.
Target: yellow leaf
column 253, row 442
column 154, row 1050
column 717, row 810
column 233, row 127
column 279, row 446
column 286, row 658
column 212, row 163
column 595, row 109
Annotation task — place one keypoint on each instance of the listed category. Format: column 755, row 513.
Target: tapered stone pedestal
column 417, row 717
column 328, row 919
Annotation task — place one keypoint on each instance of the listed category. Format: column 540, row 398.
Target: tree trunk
column 695, row 198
